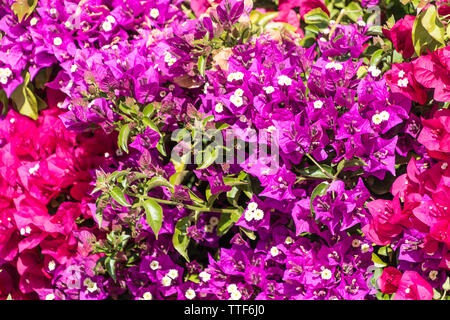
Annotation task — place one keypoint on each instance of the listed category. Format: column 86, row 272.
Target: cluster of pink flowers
column 44, row 194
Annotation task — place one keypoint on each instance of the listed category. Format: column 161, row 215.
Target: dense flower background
column 98, row 95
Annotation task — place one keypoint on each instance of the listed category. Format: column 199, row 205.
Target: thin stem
column 187, row 206
column 320, row 167
column 339, row 18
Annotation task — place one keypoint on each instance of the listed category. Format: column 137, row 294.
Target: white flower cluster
column 334, row 65
column 236, row 98
column 235, row 76
column 284, row 80
column 234, row 292
column 253, row 212
column 374, row 71
column 403, row 82
column 378, row 118
column 108, row 24
column 5, row 73
column 169, row 59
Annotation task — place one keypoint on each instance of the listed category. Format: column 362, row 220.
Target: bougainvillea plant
column 224, row 150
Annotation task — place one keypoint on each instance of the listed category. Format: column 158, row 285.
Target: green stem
column 187, row 206
column 320, row 167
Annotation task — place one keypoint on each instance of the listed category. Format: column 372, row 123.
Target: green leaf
column 4, row 102
column 320, row 190
column 266, row 18
column 433, row 25
column 378, row 262
column 25, row 100
column 202, row 65
column 149, row 110
column 428, row 31
column 353, row 11
column 355, row 162
column 248, row 233
column 226, row 221
column 111, row 267
column 22, row 8
column 376, row 57
column 124, row 134
column 209, row 156
column 159, row 182
column 153, row 215
column 180, row 239
column 316, row 172
column 117, row 194
column 316, row 16
column 195, row 198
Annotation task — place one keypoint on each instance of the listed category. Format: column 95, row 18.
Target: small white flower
column 258, row 215
column 27, row 230
column 91, row 285
column 236, row 100
column 214, row 221
column 239, row 92
column 232, row 288
column 318, row 104
column 147, row 296
column 69, row 25
column 34, row 169
column 154, row 265
column 271, row 129
column 274, row 251
column 190, row 294
column 356, row 243
column 326, row 274
column 33, row 21
column 385, row 115
column 403, row 82
column 288, row 240
column 173, row 273
column 111, row 19
column 50, row 296
column 365, row 248
column 106, row 154
column 269, row 89
column 252, row 206
column 235, row 295
column 377, row 119
column 444, row 166
column 22, row 231
column 209, row 228
column 107, row 26
column 166, row 281
column 51, row 265
column 205, row 276
column 57, row 41
column 73, row 68
column 284, row 80
column 218, row 107
column 401, row 74
column 361, row 23
column 249, row 215
column 433, row 275
column 154, row 13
